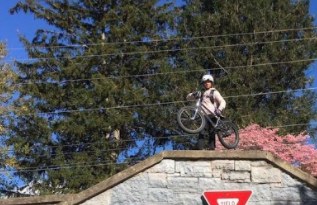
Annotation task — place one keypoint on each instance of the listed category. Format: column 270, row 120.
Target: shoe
column 211, row 147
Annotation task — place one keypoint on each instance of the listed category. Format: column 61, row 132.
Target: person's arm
column 191, row 96
column 219, row 99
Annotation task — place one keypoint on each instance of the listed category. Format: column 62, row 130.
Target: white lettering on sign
column 232, row 201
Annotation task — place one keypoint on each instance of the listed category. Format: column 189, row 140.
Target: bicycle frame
column 227, row 131
column 199, row 107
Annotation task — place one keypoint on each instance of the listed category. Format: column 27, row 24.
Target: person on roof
column 213, row 104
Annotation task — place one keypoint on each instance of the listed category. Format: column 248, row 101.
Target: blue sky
column 25, row 24
column 11, row 25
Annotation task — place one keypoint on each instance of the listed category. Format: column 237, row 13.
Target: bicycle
column 193, row 119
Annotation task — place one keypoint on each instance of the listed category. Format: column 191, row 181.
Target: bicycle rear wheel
column 228, row 134
column 189, row 123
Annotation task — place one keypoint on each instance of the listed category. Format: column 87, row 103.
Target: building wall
column 181, row 181
column 182, row 176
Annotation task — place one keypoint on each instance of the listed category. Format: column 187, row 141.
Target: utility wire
column 134, row 140
column 122, row 148
column 79, row 164
column 163, row 50
column 107, row 162
column 171, row 39
column 160, row 73
column 154, row 104
column 192, row 38
column 229, row 96
column 163, row 73
column 98, row 143
column 36, row 169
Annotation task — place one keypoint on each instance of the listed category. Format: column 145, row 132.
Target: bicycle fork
column 196, row 110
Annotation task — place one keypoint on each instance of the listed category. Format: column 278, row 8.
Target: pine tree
column 88, row 91
column 259, row 51
column 110, row 75
column 7, row 88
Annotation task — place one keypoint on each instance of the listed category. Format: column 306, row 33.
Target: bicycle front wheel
column 190, row 122
column 228, row 134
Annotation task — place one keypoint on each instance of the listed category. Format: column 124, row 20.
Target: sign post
column 227, row 197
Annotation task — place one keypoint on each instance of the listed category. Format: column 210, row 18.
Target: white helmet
column 207, row 78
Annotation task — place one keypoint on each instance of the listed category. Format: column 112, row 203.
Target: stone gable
column 181, row 177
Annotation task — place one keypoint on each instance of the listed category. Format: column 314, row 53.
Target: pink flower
column 291, row 148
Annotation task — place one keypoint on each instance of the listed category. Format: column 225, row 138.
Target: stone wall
column 181, row 178
column 177, row 182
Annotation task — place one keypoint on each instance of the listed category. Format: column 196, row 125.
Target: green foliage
column 82, row 84
column 7, row 88
column 263, row 46
column 114, row 73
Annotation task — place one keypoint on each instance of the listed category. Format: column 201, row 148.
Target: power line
column 97, row 143
column 79, row 164
column 248, row 95
column 155, row 104
column 273, row 92
column 171, row 39
column 107, row 162
column 36, row 169
column 164, row 50
column 132, row 140
column 161, row 73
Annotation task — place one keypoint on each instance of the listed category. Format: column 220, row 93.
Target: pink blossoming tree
column 291, row 148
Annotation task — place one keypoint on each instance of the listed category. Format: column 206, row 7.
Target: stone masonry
column 181, row 178
column 177, row 182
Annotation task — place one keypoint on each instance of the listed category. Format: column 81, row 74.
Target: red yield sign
column 227, row 197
